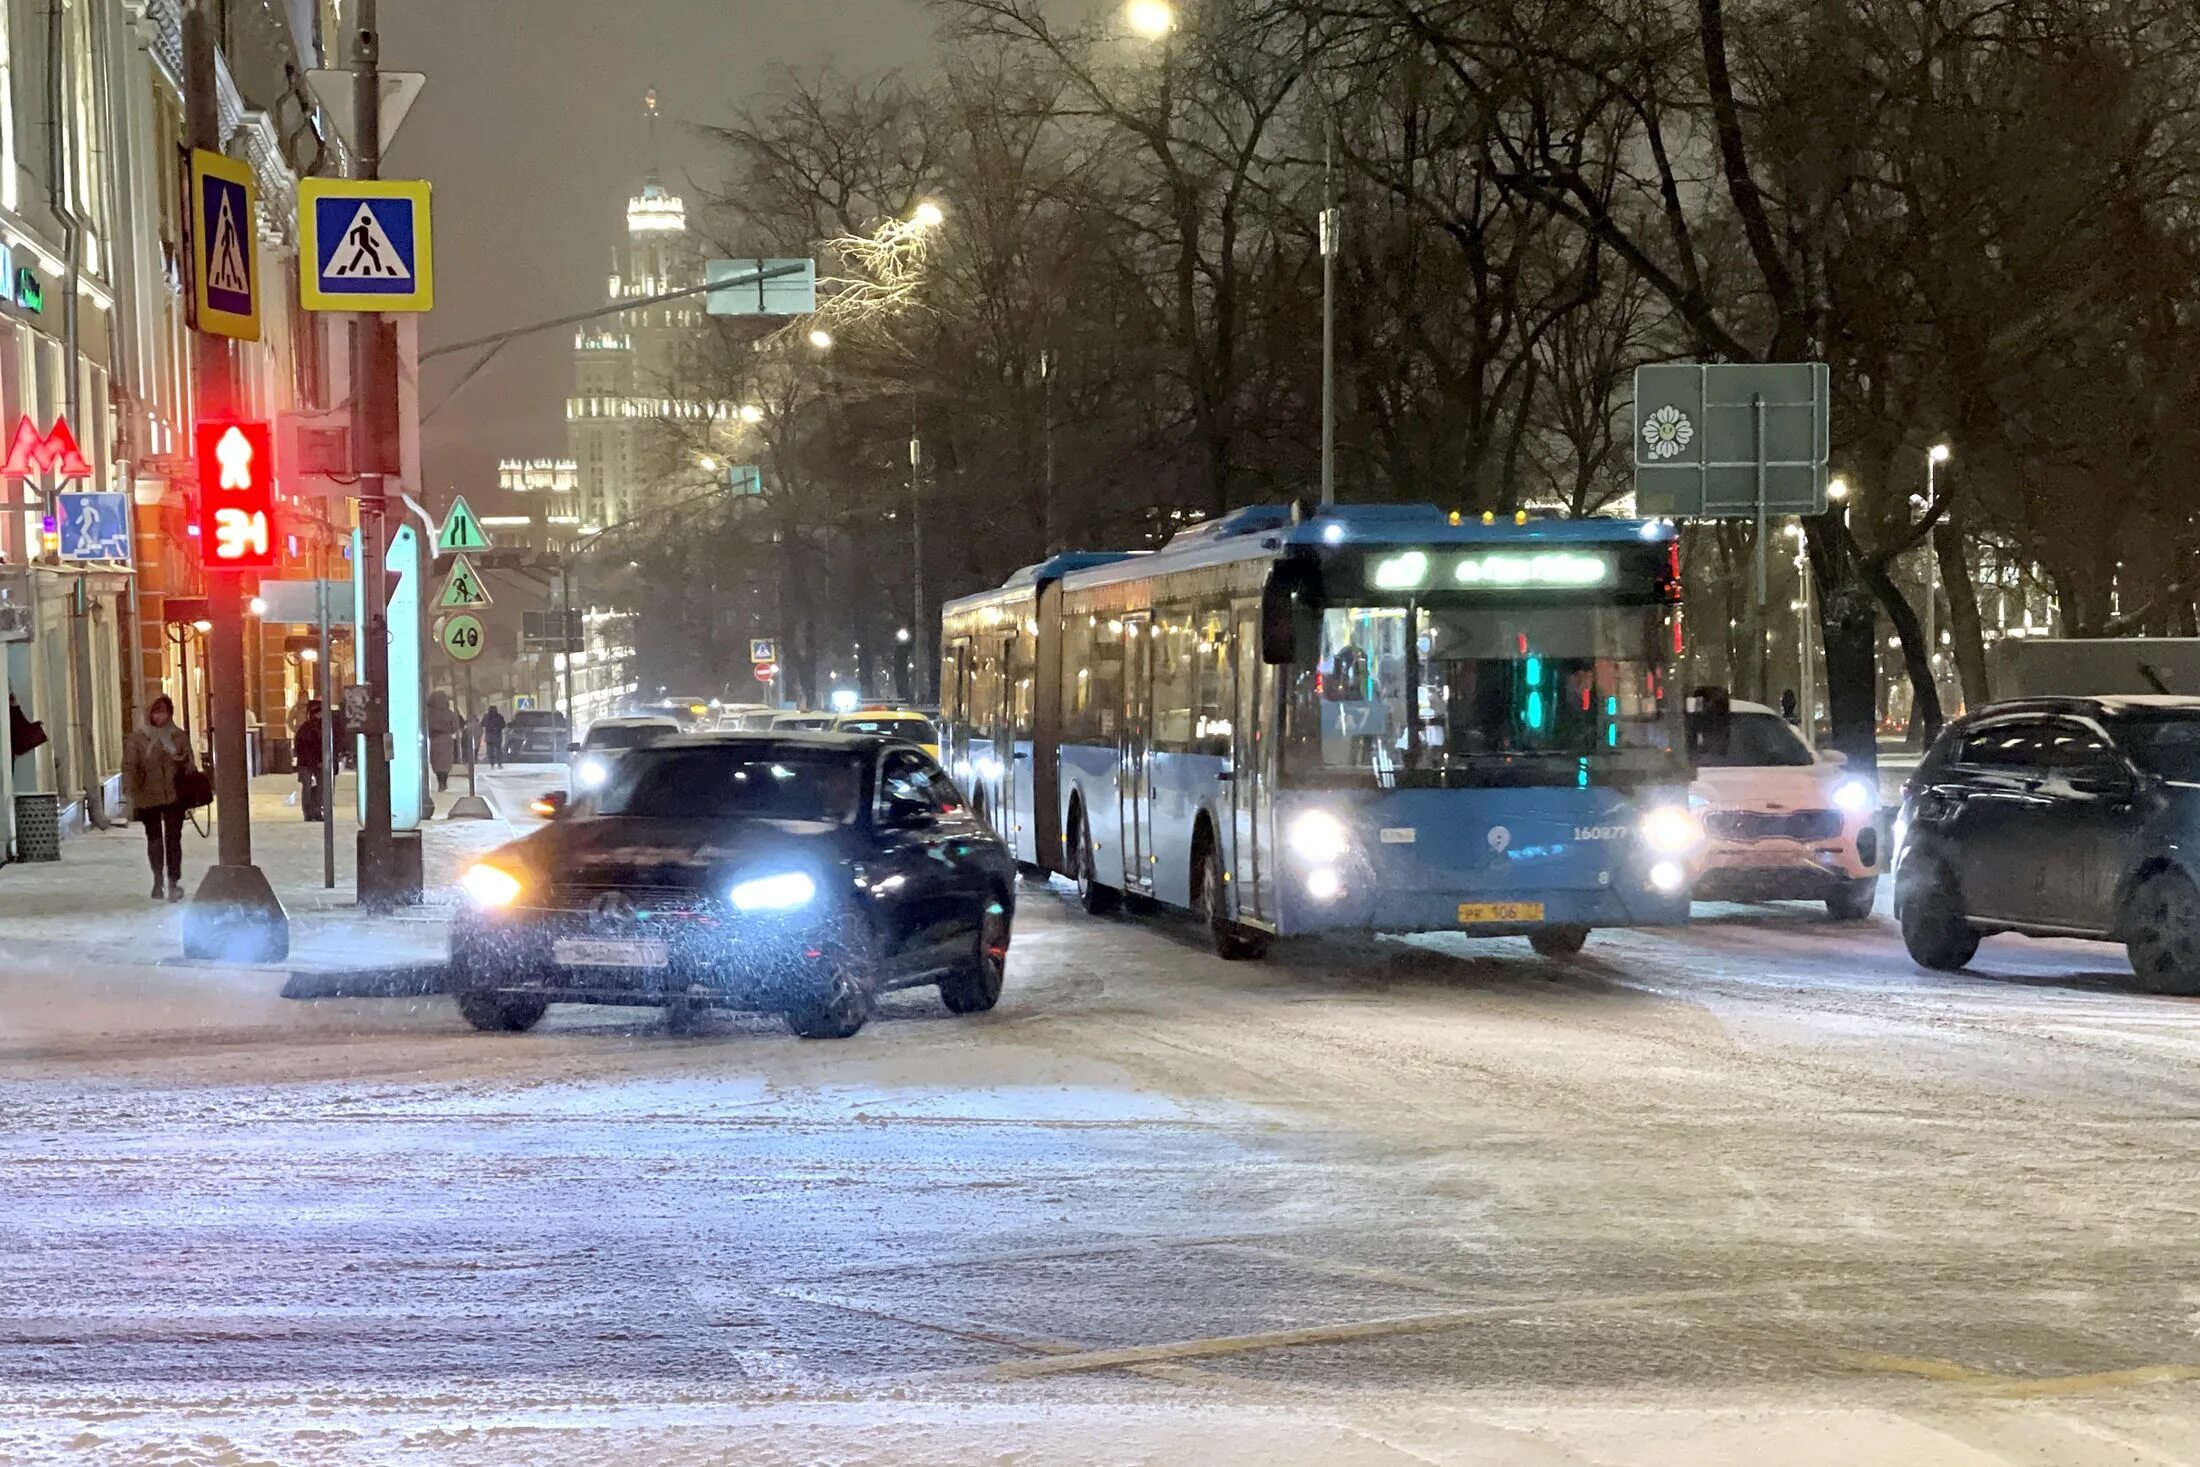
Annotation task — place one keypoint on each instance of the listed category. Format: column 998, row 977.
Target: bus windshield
column 1476, row 693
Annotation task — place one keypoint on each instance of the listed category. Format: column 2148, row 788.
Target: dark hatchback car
column 537, row 736
column 799, row 873
column 2064, row 817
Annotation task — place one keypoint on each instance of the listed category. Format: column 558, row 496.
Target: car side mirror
column 1290, row 625
column 551, row 804
column 572, row 748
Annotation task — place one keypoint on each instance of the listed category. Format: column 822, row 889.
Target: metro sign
column 32, row 454
column 236, row 496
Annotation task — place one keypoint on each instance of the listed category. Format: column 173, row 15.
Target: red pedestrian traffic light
column 236, row 496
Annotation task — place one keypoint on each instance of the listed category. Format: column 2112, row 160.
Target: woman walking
column 444, row 727
column 154, row 760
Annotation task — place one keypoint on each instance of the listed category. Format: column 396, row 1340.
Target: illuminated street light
column 902, row 635
column 710, row 465
column 821, row 339
column 751, row 413
column 258, row 606
column 928, row 215
column 1151, row 19
column 1837, row 489
column 1939, row 453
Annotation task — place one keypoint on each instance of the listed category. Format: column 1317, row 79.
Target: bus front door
column 1135, row 785
column 1252, row 777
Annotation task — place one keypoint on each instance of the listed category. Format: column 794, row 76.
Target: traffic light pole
column 234, row 915
column 375, row 455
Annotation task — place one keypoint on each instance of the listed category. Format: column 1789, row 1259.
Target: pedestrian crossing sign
column 369, row 244
column 225, row 232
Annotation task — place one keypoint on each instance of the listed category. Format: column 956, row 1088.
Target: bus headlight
column 591, row 773
column 1323, row 884
column 1855, row 797
column 1668, row 876
column 1318, row 837
column 1671, row 830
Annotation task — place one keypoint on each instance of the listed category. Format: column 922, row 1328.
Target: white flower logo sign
column 1667, row 431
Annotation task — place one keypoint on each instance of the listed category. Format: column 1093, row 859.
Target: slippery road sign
column 225, row 288
column 368, row 243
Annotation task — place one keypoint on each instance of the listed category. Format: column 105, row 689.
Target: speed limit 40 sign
column 463, row 637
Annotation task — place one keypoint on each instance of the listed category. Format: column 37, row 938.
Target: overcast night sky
column 531, row 130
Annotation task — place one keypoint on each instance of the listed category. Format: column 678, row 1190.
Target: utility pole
column 375, row 455
column 234, row 915
column 1330, row 245
column 916, row 552
column 1046, row 408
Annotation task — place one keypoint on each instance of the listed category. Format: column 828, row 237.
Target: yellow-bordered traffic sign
column 463, row 637
column 225, row 232
column 462, row 588
column 365, row 245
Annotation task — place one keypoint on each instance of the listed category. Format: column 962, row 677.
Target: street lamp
column 751, row 413
column 928, row 215
column 1150, row 19
column 821, row 339
column 1837, row 489
column 1935, row 456
column 709, row 464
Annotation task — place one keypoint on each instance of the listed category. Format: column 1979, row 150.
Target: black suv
column 2058, row 817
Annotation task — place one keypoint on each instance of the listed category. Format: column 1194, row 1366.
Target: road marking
column 2021, row 1387
column 1131, row 1356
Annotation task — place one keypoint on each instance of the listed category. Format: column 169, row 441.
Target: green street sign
column 1731, row 440
column 463, row 637
column 461, row 530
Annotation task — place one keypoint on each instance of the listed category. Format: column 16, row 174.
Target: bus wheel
column 1098, row 900
column 1232, row 943
column 1558, row 942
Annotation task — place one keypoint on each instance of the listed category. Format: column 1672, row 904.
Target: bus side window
column 1079, row 718
column 1174, row 679
column 1020, row 658
column 1107, row 678
column 1212, row 713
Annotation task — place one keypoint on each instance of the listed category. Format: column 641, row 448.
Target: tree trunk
column 1964, row 628
column 1926, row 694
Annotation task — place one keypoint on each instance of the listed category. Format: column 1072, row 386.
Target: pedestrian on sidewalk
column 155, row 759
column 444, row 726
column 312, row 766
column 492, row 736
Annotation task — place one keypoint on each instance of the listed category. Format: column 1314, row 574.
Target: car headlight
column 1671, row 830
column 1855, row 797
column 490, row 887
column 779, row 893
column 591, row 773
column 1318, row 837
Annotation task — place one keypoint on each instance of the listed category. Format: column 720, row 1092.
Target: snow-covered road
column 1758, row 1192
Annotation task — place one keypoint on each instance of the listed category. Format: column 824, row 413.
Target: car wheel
column 841, row 1002
column 1232, row 943
column 1852, row 901
column 1098, row 900
column 499, row 1013
column 976, row 986
column 2162, row 934
column 1933, row 928
column 1561, row 941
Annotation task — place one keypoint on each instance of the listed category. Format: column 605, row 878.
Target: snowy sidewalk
column 94, row 903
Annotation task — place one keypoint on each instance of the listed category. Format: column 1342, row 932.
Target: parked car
column 802, row 873
column 610, row 737
column 899, row 723
column 537, row 736
column 1781, row 822
column 799, row 721
column 2058, row 817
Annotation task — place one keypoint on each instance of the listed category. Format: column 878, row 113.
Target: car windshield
column 1753, row 740
column 734, row 784
column 628, row 735
column 900, row 726
column 2165, row 744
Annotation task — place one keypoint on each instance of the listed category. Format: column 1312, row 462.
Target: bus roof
column 1260, row 530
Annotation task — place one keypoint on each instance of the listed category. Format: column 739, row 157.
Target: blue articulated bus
column 1367, row 718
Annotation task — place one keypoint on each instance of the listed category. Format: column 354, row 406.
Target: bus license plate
column 583, row 952
column 1501, row 911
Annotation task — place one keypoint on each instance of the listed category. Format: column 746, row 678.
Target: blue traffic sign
column 370, row 244
column 93, row 526
column 224, row 240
